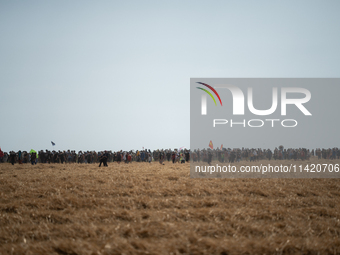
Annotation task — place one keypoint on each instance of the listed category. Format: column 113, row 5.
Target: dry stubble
column 143, row 208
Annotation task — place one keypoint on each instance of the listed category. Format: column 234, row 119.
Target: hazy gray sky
column 95, row 75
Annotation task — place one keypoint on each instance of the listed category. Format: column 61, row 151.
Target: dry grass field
column 143, row 208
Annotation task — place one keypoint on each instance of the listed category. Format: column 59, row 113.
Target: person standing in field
column 119, row 157
column 1, row 155
column 124, row 158
column 168, row 155
column 182, row 159
column 187, row 156
column 138, row 156
column 69, row 156
column 19, row 157
column 103, row 159
column 209, row 157
column 161, row 157
column 12, row 157
column 142, row 156
column 129, row 158
column 34, row 158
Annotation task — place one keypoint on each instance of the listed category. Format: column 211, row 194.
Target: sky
column 111, row 75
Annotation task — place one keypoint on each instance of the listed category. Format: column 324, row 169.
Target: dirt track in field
column 143, row 208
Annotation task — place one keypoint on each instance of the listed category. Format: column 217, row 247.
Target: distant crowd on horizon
column 90, row 157
column 176, row 156
column 279, row 153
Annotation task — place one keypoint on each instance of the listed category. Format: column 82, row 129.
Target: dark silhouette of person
column 12, row 157
column 103, row 159
column 209, row 157
column 33, row 158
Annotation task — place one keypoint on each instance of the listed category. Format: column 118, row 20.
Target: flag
column 211, row 145
column 221, row 146
column 52, row 143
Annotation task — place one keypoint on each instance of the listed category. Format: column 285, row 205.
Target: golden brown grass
column 144, row 208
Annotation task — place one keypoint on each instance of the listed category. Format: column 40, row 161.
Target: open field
column 143, row 208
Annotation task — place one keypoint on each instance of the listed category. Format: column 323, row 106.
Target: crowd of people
column 175, row 156
column 279, row 153
column 90, row 157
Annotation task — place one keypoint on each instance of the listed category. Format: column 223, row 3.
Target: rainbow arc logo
column 212, row 89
